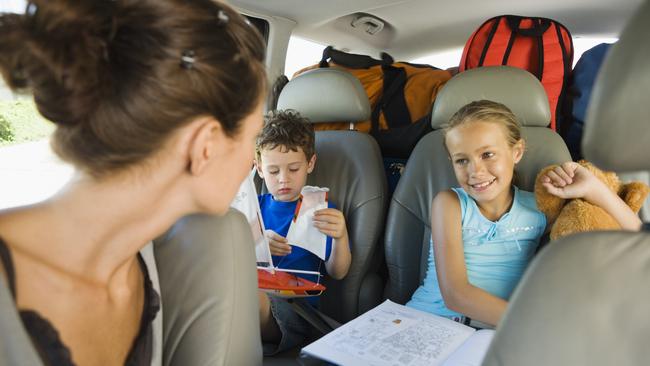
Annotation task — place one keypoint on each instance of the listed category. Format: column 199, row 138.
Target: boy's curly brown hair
column 288, row 129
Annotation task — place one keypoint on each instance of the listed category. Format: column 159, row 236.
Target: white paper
column 392, row 335
column 472, row 352
column 247, row 202
column 302, row 232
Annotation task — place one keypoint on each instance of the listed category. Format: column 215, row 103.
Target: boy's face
column 284, row 172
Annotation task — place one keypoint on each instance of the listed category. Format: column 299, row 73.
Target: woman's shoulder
column 24, row 228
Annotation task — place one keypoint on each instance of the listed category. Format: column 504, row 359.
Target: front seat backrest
column 206, row 266
column 429, row 169
column 585, row 298
column 349, row 164
column 208, row 293
column 15, row 346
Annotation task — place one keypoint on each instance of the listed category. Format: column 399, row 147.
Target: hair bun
column 60, row 49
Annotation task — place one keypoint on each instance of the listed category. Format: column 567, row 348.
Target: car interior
column 583, row 299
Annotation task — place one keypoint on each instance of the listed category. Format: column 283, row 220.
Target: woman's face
column 235, row 164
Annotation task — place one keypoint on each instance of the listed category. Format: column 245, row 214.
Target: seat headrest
column 326, row 95
column 617, row 125
column 516, row 88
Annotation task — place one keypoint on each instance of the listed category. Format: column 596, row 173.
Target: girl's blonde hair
column 487, row 111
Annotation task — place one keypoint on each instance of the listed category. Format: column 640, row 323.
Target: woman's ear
column 205, row 142
column 311, row 164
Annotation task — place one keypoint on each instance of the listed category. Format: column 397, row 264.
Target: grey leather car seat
column 429, row 170
column 349, row 164
column 584, row 300
column 16, row 346
column 208, row 292
column 208, row 280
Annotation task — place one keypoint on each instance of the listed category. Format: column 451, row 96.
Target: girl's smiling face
column 483, row 160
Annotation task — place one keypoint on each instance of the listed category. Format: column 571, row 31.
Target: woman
column 157, row 104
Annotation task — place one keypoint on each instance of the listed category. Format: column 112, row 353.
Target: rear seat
column 350, row 164
column 429, row 169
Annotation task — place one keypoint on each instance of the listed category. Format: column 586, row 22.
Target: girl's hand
column 572, row 180
column 277, row 243
column 331, row 222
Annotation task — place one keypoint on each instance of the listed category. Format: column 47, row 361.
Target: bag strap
column 563, row 108
column 488, row 41
column 352, row 60
column 393, row 100
column 539, row 27
column 514, row 25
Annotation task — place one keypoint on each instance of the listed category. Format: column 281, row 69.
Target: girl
column 157, row 103
column 485, row 232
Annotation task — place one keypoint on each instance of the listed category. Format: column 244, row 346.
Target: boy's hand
column 277, row 243
column 331, row 222
column 572, row 180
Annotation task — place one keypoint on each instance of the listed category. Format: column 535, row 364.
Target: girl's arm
column 572, row 180
column 331, row 222
column 459, row 295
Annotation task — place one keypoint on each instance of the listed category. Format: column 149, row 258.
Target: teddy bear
column 577, row 215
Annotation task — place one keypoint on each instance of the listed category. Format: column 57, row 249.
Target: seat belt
column 323, row 323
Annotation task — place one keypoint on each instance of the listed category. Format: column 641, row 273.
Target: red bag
column 540, row 45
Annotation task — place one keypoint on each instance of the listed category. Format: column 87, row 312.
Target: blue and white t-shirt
column 277, row 216
column 496, row 253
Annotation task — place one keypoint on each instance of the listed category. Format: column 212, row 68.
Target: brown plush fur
column 577, row 215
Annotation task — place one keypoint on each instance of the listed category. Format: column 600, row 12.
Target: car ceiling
column 414, row 28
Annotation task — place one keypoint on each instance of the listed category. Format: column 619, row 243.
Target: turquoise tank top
column 496, row 253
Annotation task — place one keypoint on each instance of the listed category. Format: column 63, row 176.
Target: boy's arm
column 459, row 295
column 331, row 222
column 571, row 180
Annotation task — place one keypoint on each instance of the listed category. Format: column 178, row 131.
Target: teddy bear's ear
column 634, row 194
column 549, row 204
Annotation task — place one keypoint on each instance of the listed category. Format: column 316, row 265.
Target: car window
column 261, row 25
column 29, row 169
column 301, row 53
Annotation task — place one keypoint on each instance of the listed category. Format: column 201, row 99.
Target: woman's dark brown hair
column 117, row 77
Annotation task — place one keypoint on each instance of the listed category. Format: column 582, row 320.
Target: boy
column 284, row 157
